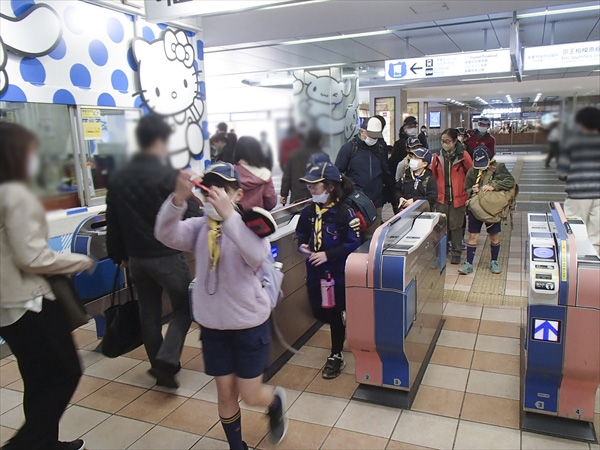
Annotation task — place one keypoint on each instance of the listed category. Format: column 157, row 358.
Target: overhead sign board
column 578, row 54
column 450, row 65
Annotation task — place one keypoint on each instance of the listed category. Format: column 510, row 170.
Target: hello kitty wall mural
column 94, row 56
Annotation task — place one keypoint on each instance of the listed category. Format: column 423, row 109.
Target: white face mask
column 414, row 164
column 482, row 130
column 33, row 165
column 211, row 211
column 411, row 131
column 370, row 141
column 448, row 147
column 320, row 198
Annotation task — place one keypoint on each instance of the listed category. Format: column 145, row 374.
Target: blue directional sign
column 546, row 330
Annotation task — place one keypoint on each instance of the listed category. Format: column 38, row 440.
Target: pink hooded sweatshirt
column 257, row 185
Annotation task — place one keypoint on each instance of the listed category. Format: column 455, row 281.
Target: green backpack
column 494, row 206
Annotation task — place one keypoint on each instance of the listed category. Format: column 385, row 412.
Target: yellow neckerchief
column 318, row 229
column 214, row 242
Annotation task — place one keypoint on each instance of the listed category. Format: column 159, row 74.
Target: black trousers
column 50, row 369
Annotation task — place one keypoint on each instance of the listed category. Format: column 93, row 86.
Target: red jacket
column 258, row 188
column 475, row 139
column 458, row 175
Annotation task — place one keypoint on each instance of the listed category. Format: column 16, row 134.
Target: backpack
column 494, row 206
column 363, row 207
column 270, row 275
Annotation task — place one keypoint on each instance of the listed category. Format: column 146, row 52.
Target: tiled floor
column 469, row 398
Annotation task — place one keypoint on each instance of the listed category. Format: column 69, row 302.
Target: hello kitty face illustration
column 168, row 79
column 324, row 89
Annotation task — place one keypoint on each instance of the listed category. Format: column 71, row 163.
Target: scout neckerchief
column 318, row 228
column 214, row 242
column 417, row 178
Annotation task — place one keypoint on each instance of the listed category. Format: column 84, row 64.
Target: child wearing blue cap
column 328, row 231
column 416, row 183
column 484, row 176
column 234, row 325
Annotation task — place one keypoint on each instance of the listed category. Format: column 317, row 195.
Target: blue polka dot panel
column 85, row 55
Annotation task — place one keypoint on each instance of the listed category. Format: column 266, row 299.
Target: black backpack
column 363, row 207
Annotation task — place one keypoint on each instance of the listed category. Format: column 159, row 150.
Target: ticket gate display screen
column 546, row 330
column 543, row 254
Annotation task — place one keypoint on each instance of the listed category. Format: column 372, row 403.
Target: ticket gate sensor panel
column 394, row 305
column 561, row 357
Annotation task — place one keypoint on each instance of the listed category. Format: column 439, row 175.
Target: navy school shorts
column 244, row 353
column 475, row 225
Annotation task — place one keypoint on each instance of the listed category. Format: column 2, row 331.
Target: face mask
column 211, row 212
column 448, row 147
column 33, row 165
column 414, row 164
column 370, row 141
column 411, row 131
column 320, row 198
column 482, row 130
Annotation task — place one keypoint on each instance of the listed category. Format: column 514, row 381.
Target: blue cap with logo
column 412, row 142
column 481, row 157
column 223, row 170
column 484, row 120
column 422, row 153
column 321, row 172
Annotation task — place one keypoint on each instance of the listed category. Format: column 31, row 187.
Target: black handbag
column 123, row 332
column 66, row 296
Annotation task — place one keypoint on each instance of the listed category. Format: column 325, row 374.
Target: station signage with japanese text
column 578, row 54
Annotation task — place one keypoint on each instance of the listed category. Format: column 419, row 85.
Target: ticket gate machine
column 293, row 314
column 562, row 352
column 394, row 304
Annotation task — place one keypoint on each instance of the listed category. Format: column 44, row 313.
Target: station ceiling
column 273, row 40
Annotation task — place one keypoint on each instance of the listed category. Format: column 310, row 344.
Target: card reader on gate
column 543, row 269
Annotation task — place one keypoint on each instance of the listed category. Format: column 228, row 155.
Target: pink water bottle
column 327, row 291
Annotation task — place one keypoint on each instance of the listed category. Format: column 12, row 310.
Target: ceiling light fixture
column 489, row 78
column 336, row 37
column 559, row 11
column 537, row 97
column 381, row 73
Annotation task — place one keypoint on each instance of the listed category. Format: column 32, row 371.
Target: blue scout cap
column 317, row 158
column 481, row 157
column 412, row 142
column 223, row 170
column 322, row 171
column 422, row 153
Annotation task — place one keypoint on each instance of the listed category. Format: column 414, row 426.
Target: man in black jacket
column 135, row 194
column 364, row 161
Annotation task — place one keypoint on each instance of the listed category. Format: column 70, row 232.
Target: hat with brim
column 223, row 171
column 412, row 142
column 321, row 172
column 410, row 120
column 317, row 158
column 481, row 158
column 373, row 127
column 422, row 153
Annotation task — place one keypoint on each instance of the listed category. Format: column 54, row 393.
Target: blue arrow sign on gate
column 546, row 330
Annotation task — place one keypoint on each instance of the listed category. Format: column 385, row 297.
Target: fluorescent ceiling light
column 336, row 37
column 381, row 73
column 559, row 11
column 489, row 78
column 317, row 66
column 287, row 5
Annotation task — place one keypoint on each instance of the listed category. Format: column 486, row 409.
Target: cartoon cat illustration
column 169, row 86
column 41, row 18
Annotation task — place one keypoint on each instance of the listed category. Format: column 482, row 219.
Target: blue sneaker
column 495, row 267
column 466, row 268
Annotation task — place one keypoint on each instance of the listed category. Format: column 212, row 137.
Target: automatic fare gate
column 562, row 352
column 394, row 304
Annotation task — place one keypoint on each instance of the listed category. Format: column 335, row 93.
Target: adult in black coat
column 135, row 194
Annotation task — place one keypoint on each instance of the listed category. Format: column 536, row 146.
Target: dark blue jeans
column 150, row 277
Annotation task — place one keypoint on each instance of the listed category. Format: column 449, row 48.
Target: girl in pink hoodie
column 255, row 176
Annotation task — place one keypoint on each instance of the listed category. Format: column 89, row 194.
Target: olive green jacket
column 500, row 178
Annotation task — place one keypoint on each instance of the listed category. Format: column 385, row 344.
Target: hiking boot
column 77, row 444
column 495, row 267
column 333, row 367
column 466, row 268
column 278, row 421
column 435, row 263
column 455, row 259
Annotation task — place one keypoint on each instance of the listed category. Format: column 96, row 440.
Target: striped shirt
column 580, row 164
